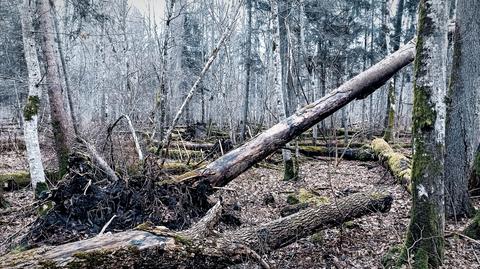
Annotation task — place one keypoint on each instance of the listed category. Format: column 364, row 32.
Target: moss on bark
column 397, row 163
column 20, row 179
column 473, row 228
column 31, row 107
column 388, row 134
column 41, row 190
column 290, row 172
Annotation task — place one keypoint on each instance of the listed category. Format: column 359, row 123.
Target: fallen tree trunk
column 158, row 247
column 192, row 145
column 232, row 164
column 18, row 179
column 356, row 154
column 398, row 165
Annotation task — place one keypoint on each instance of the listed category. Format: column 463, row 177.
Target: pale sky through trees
column 156, row 7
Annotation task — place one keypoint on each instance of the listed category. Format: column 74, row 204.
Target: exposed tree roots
column 150, row 246
column 86, row 200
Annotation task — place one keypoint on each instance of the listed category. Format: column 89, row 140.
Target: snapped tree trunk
column 232, row 164
column 158, row 247
column 30, row 111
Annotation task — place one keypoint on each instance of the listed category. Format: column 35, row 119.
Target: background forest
column 239, row 133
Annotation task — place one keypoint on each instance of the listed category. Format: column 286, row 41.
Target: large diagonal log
column 156, row 247
column 232, row 164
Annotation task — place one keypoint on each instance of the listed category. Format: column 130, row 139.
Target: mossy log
column 180, row 153
column 21, row 179
column 17, row 179
column 398, row 165
column 192, row 146
column 158, row 247
column 473, row 228
column 358, row 154
column 301, row 200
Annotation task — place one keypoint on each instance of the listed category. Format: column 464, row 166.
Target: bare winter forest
column 239, row 134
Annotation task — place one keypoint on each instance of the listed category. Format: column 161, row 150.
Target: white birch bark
column 34, row 156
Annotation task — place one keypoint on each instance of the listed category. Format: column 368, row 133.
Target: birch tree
column 30, row 112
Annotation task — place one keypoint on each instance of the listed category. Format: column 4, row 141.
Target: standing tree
column 248, row 65
column 463, row 121
column 286, row 95
column 61, row 122
column 32, row 105
column 396, row 15
column 425, row 235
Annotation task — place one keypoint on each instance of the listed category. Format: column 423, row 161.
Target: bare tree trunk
column 425, row 236
column 161, row 102
column 232, row 164
column 63, row 69
column 396, row 15
column 248, row 65
column 463, row 121
column 285, row 91
column 30, row 113
column 62, row 124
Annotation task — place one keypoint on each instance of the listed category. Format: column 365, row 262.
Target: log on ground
column 358, row 154
column 158, row 247
column 395, row 162
column 221, row 171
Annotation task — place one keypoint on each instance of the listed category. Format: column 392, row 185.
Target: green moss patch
column 31, row 107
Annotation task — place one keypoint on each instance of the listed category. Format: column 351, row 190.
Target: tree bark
column 158, row 247
column 425, row 235
column 62, row 125
column 290, row 171
column 398, row 165
column 248, row 65
column 30, row 113
column 232, row 164
column 463, row 121
column 358, row 154
column 396, row 15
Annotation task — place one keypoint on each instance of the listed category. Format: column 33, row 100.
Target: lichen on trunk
column 425, row 236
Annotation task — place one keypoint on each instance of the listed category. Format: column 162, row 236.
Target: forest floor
column 357, row 244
